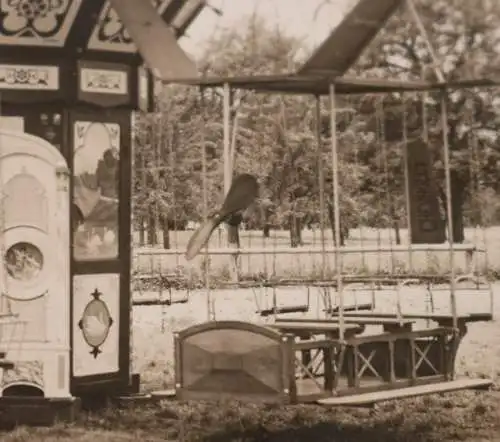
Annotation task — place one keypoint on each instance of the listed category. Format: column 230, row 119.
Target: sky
column 310, row 19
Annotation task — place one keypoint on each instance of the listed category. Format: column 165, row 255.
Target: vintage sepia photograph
column 249, row 220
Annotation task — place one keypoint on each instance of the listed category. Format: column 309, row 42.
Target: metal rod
column 228, row 169
column 345, row 250
column 227, row 137
column 449, row 211
column 407, row 185
column 321, row 179
column 336, row 206
column 234, row 140
column 204, row 172
column 418, row 21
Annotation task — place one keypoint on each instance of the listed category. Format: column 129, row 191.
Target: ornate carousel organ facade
column 70, row 77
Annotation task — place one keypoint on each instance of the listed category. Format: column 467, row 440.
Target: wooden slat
column 436, row 317
column 284, row 310
column 471, row 317
column 163, row 394
column 374, row 321
column 348, row 320
column 149, row 302
column 313, row 344
column 349, row 39
column 351, row 308
column 313, row 327
column 407, row 392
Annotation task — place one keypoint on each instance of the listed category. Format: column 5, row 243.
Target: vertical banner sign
column 427, row 226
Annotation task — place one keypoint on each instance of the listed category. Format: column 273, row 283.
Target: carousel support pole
column 321, row 183
column 232, row 231
column 336, row 207
column 449, row 212
column 446, row 158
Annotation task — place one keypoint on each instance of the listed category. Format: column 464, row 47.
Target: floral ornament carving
column 33, row 18
column 24, row 371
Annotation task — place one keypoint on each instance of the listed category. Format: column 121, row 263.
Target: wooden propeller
column 243, row 192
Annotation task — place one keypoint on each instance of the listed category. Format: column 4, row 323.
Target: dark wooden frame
column 120, row 265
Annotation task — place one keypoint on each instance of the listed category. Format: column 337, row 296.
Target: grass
column 462, row 416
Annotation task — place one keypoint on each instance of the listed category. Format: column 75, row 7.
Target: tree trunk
column 457, row 213
column 233, row 236
column 457, row 207
column 233, row 233
column 233, row 239
column 152, row 239
column 295, row 231
column 166, row 233
column 331, row 219
column 397, row 232
column 142, row 233
column 266, row 231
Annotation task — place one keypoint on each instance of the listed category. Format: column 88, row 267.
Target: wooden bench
column 470, row 317
column 388, row 324
column 440, row 319
column 308, row 329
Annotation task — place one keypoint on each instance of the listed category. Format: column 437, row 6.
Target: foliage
column 275, row 138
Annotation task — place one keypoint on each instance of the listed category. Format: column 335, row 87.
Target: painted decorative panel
column 96, row 317
column 109, row 33
column 103, row 81
column 95, row 189
column 29, row 77
column 37, row 22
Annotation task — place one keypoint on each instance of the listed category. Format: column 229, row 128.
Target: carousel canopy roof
column 332, row 59
column 90, row 26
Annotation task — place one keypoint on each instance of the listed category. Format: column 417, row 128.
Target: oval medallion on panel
column 95, row 323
